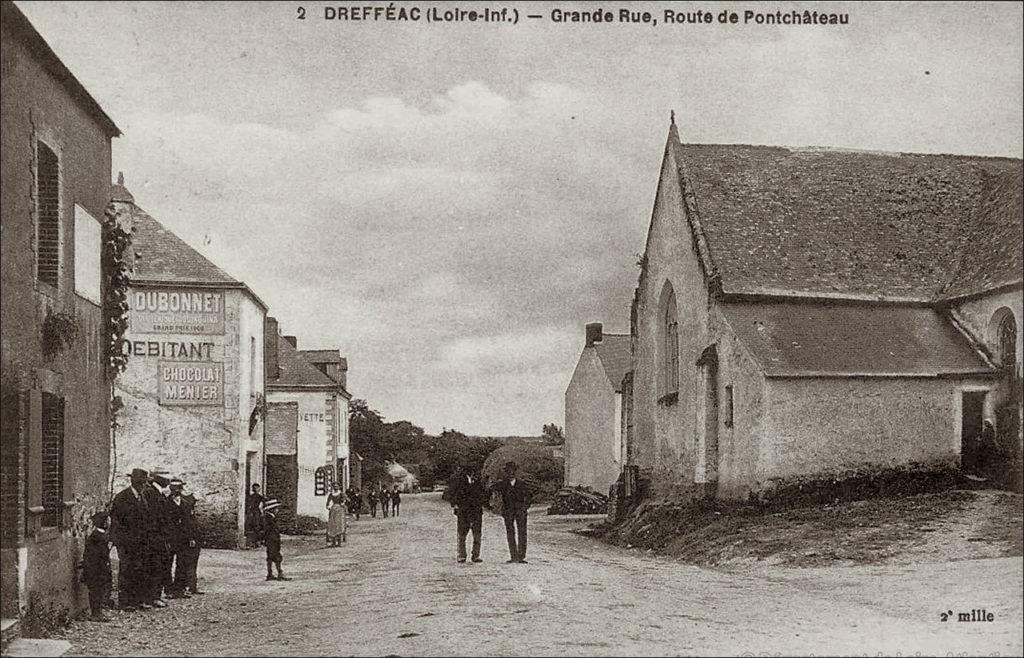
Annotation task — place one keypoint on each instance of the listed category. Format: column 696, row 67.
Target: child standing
column 96, row 566
column 272, row 538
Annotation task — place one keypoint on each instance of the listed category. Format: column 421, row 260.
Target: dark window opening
column 670, row 330
column 52, row 460
column 1008, row 341
column 728, row 402
column 47, row 215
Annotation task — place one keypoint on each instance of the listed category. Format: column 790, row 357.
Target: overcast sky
column 450, row 204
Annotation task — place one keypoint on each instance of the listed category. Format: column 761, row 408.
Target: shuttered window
column 47, row 215
column 52, row 460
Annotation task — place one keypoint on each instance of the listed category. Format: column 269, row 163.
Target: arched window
column 1007, row 340
column 669, row 342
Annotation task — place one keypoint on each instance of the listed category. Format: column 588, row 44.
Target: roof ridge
column 814, row 148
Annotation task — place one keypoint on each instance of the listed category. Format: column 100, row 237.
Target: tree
column 553, row 435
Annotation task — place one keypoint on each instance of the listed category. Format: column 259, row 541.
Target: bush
column 538, row 467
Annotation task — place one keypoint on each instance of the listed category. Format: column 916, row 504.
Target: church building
column 815, row 314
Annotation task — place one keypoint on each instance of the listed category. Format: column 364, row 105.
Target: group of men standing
column 152, row 525
column 389, row 501
column 468, row 498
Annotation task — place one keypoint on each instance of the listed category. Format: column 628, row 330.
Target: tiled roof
column 296, row 370
column 613, row 350
column 822, row 222
column 161, row 256
column 793, row 338
column 322, row 356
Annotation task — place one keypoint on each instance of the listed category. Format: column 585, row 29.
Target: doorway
column 972, row 417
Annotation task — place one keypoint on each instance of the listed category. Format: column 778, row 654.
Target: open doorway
column 971, row 425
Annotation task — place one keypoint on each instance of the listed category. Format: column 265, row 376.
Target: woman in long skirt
column 336, row 516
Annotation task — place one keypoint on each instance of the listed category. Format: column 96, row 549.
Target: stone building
column 593, row 411
column 307, row 443
column 54, row 435
column 193, row 391
column 817, row 314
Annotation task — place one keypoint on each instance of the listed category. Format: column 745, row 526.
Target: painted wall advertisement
column 192, row 383
column 171, row 311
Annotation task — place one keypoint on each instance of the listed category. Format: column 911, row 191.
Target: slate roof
column 296, row 371
column 163, row 257
column 821, row 338
column 613, row 351
column 821, row 222
column 322, row 356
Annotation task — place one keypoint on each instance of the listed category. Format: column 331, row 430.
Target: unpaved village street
column 395, row 588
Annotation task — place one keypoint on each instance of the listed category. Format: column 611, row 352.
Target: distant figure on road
column 396, row 501
column 336, row 515
column 385, row 501
column 272, row 538
column 467, row 501
column 515, row 501
column 355, row 502
column 253, row 517
column 371, row 498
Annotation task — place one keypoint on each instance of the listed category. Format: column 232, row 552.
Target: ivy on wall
column 116, row 271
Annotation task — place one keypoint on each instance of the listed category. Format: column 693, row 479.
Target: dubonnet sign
column 177, row 311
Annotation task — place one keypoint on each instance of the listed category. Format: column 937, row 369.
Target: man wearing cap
column 183, row 539
column 96, row 566
column 130, row 520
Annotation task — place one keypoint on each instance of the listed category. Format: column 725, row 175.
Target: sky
column 450, row 203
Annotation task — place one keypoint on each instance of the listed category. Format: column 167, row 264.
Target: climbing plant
column 59, row 331
column 116, row 271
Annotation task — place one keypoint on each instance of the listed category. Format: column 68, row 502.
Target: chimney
column 293, row 340
column 594, row 334
column 343, row 373
column 270, row 362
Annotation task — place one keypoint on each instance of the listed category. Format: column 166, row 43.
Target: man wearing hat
column 515, row 501
column 130, row 520
column 183, row 539
column 159, row 552
column 96, row 566
column 272, row 538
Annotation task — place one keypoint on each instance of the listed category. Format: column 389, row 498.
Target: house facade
column 813, row 314
column 593, row 446
column 192, row 395
column 308, row 417
column 54, row 437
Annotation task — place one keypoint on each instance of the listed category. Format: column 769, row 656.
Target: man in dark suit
column 159, row 551
column 182, row 538
column 129, row 532
column 467, row 500
column 515, row 501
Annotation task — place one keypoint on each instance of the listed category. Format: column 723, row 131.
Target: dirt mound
column 578, row 500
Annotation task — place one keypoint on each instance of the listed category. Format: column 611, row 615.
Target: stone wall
column 282, row 482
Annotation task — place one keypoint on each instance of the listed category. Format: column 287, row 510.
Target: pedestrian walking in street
column 385, row 501
column 515, row 501
column 192, row 552
column 159, row 551
column 129, row 532
column 96, row 566
column 371, row 498
column 272, row 538
column 253, row 516
column 183, row 540
column 396, row 501
column 467, row 501
column 355, row 502
column 335, row 515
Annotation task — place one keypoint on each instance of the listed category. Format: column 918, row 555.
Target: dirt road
column 395, row 588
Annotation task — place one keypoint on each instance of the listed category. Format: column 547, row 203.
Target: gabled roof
column 21, row 28
column 614, row 353
column 829, row 223
column 832, row 339
column 163, row 257
column 296, row 371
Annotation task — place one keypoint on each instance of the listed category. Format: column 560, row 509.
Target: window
column 52, row 460
column 88, row 245
column 727, row 410
column 320, row 481
column 1007, row 341
column 47, row 215
column 670, row 343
